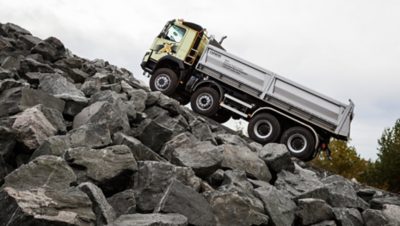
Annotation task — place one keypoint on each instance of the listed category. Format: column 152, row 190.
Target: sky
column 343, row 49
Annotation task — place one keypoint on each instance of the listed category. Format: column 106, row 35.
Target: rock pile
column 84, row 143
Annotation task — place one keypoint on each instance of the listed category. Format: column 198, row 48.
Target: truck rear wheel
column 300, row 142
column 264, row 128
column 164, row 80
column 205, row 101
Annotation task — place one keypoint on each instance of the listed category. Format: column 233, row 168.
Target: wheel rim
column 162, row 82
column 263, row 129
column 204, row 102
column 297, row 143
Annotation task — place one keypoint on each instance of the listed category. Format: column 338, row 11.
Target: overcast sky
column 344, row 49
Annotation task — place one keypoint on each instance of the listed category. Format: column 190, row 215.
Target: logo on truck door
column 168, row 48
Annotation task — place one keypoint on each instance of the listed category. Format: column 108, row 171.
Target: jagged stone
column 55, row 145
column 366, row 193
column 154, row 135
column 153, row 178
column 109, row 96
column 243, row 158
column 181, row 199
column 51, row 49
column 226, row 138
column 216, row 178
column 277, row 157
column 29, row 64
column 171, row 219
column 9, row 101
column 236, row 180
column 392, row 213
column 231, row 208
column 201, row 130
column 103, row 113
column 325, row 223
column 138, row 97
column 280, row 209
column 6, row 74
column 91, row 86
column 374, row 217
column 184, row 150
column 297, row 183
column 32, row 97
column 348, row 216
column 13, row 28
column 36, row 124
column 29, row 41
column 60, row 87
column 311, row 211
column 140, row 151
column 90, row 135
column 109, row 168
column 105, row 213
column 123, row 202
column 379, row 202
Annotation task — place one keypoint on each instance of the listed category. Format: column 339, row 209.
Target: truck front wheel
column 300, row 142
column 264, row 128
column 205, row 101
column 164, row 80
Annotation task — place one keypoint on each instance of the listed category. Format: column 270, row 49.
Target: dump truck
column 186, row 64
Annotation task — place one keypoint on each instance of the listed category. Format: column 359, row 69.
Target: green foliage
column 345, row 161
column 385, row 173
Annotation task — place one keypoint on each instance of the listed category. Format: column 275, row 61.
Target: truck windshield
column 175, row 33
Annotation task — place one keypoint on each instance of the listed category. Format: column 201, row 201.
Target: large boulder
column 39, row 193
column 182, row 199
column 242, row 158
column 155, row 135
column 153, row 178
column 109, row 168
column 151, row 219
column 348, row 216
column 277, row 157
column 51, row 49
column 123, row 202
column 60, row 87
column 36, row 124
column 203, row 157
column 311, row 211
column 90, row 135
column 105, row 214
column 280, row 209
column 103, row 113
column 55, row 145
column 374, row 217
column 392, row 213
column 232, row 208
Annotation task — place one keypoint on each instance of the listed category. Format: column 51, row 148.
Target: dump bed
column 277, row 91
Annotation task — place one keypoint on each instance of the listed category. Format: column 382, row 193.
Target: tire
column 164, row 80
column 300, row 142
column 221, row 116
column 205, row 101
column 264, row 128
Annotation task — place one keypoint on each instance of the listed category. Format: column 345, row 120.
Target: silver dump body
column 277, row 91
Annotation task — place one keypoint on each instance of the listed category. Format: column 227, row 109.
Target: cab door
column 169, row 42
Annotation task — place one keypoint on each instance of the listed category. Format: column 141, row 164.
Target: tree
column 345, row 161
column 385, row 173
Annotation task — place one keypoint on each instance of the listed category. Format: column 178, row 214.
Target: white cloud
column 344, row 49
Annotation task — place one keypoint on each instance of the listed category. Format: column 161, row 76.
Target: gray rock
column 9, row 101
column 109, row 168
column 243, row 158
column 280, row 209
column 91, row 86
column 60, row 87
column 30, row 64
column 337, row 194
column 123, row 202
column 138, row 97
column 103, row 113
column 374, row 217
column 29, row 40
column 45, row 171
column 155, row 111
column 297, row 183
column 311, row 211
column 235, row 140
column 152, row 98
column 325, row 223
column 348, row 217
column 140, row 151
column 72, row 108
column 366, row 193
column 379, row 202
column 32, row 97
column 90, row 135
column 55, row 145
column 153, row 178
column 181, row 199
column 169, row 104
column 201, row 130
column 45, row 207
column 203, row 157
column 392, row 213
column 216, row 178
column 171, row 219
column 36, row 124
column 177, row 124
column 277, row 157
column 155, row 135
column 13, row 28
column 51, row 49
column 236, row 180
column 6, row 74
column 105, row 214
column 111, row 97
column 231, row 208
